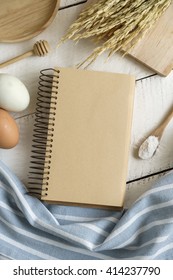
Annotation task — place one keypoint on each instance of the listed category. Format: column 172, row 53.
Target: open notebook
column 82, row 137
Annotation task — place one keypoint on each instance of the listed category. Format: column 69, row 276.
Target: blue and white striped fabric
column 30, row 229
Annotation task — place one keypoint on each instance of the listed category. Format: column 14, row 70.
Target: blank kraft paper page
column 91, row 138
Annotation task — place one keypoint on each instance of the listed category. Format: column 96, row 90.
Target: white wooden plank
column 68, row 55
column 66, row 3
column 153, row 101
column 136, row 189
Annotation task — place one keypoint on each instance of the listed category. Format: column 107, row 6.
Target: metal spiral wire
column 43, row 132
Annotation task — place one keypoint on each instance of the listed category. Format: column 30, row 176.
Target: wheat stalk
column 115, row 25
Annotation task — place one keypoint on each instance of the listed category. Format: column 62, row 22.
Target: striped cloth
column 30, row 229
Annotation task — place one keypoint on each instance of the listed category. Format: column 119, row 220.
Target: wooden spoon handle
column 159, row 131
column 17, row 58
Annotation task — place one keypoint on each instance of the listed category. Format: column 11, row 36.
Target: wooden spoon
column 150, row 145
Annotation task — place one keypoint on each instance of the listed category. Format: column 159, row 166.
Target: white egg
column 14, row 96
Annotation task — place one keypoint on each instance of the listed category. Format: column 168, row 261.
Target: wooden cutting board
column 22, row 20
column 155, row 50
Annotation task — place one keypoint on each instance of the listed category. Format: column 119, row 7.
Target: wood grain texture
column 22, row 20
column 155, row 50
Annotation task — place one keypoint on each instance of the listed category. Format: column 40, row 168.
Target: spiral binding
column 43, row 132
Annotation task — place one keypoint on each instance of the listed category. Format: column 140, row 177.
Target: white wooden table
column 153, row 100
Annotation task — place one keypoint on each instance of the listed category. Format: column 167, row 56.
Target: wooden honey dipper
column 40, row 48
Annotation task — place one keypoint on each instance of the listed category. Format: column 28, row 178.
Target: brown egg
column 9, row 132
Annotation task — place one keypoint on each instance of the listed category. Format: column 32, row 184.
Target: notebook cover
column 91, row 139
